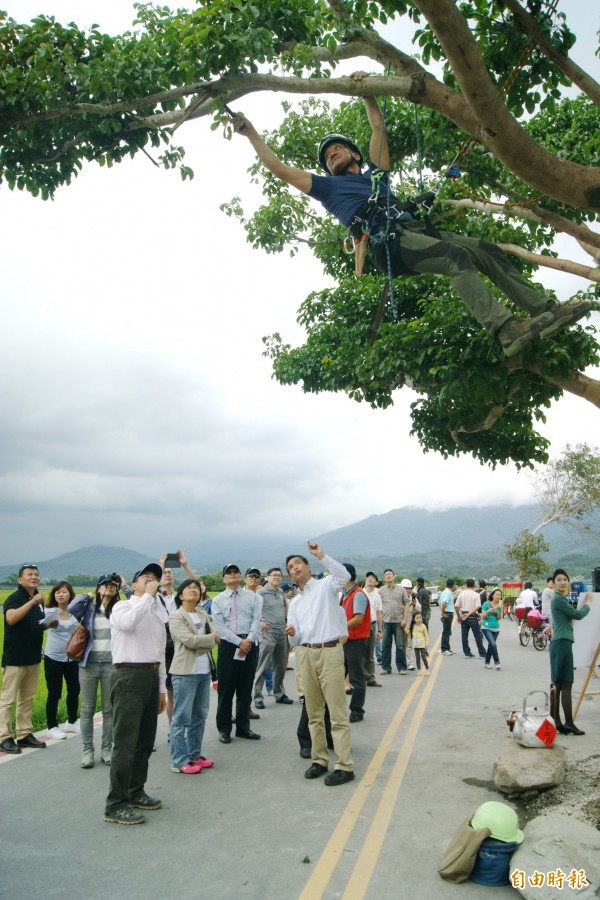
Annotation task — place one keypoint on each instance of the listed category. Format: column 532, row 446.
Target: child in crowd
column 420, row 641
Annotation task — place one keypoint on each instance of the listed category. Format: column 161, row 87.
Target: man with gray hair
column 273, row 642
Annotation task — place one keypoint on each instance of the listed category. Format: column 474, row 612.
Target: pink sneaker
column 188, row 769
column 203, row 762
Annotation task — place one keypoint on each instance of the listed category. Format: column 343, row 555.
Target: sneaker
column 385, row 672
column 203, row 762
column 71, row 727
column 498, row 667
column 469, row 656
column 447, row 653
column 516, row 333
column 402, row 672
column 143, row 801
column 188, row 769
column 106, row 757
column 411, row 668
column 565, row 314
column 56, row 734
column 126, row 816
column 87, row 760
column 427, row 671
column 487, row 665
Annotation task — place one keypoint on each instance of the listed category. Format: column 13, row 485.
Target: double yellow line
column 367, row 860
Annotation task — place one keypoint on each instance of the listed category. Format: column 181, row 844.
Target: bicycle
column 508, row 610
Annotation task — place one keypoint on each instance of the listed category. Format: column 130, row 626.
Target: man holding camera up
column 137, row 689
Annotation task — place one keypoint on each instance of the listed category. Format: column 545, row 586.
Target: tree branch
column 550, row 262
column 581, row 233
column 529, row 26
column 563, row 180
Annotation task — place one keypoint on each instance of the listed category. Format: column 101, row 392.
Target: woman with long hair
column 58, row 666
column 96, row 665
column 561, row 650
column 190, row 671
column 491, row 613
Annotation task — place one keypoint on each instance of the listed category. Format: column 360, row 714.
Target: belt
column 154, row 666
column 243, row 636
column 324, row 644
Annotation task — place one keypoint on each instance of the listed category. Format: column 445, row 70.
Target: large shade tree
column 488, row 73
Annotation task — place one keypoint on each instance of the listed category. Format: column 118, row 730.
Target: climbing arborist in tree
column 402, row 243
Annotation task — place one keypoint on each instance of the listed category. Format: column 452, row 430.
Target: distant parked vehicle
column 434, row 590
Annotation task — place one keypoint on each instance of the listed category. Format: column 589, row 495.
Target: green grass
column 39, row 704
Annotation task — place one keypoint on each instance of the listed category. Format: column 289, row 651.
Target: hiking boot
column 515, row 334
column 143, row 801
column 126, row 816
column 565, row 314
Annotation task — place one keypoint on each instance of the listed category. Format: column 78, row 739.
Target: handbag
column 213, row 668
column 77, row 643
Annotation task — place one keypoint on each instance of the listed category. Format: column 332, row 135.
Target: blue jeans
column 471, row 623
column 393, row 631
column 191, row 699
column 492, row 649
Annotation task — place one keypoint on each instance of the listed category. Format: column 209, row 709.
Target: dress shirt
column 249, row 606
column 467, row 603
column 138, row 633
column 315, row 610
column 394, row 600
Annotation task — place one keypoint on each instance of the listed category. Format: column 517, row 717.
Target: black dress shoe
column 315, row 771
column 31, row 741
column 284, row 699
column 572, row 729
column 561, row 729
column 259, row 704
column 10, row 746
column 305, row 752
column 225, row 738
column 339, row 776
column 356, row 717
column 249, row 735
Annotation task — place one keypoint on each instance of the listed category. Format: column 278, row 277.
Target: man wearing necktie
column 236, row 617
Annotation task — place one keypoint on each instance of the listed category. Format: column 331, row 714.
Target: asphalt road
column 253, row 827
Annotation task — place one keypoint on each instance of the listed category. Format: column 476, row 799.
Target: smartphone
column 172, row 561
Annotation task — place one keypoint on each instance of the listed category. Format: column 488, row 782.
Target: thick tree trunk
column 565, row 181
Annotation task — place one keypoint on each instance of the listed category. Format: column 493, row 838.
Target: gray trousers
column 461, row 259
column 272, row 651
column 90, row 676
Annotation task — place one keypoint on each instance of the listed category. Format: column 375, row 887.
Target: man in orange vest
column 358, row 614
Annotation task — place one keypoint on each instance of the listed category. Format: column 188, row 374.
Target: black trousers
column 303, row 731
column 55, row 671
column 355, row 656
column 134, row 694
column 235, row 678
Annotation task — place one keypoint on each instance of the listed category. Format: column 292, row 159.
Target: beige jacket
column 188, row 643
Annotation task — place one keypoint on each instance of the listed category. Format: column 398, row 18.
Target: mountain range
column 413, row 541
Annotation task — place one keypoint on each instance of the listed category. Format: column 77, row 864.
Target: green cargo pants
column 461, row 258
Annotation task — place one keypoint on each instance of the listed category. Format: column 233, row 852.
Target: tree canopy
column 488, row 73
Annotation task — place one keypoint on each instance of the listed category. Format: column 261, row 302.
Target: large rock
column 555, row 843
column 520, row 770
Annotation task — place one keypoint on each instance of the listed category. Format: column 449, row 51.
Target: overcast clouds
column 138, row 409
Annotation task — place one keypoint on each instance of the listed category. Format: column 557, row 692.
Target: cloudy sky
column 138, row 410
